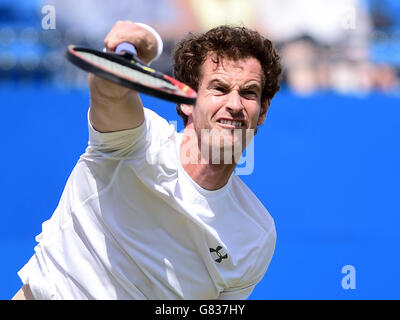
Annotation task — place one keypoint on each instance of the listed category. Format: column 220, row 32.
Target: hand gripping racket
column 125, row 68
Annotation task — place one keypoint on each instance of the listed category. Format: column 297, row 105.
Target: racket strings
column 126, row 72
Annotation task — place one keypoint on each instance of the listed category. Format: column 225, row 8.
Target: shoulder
column 152, row 116
column 254, row 207
column 157, row 125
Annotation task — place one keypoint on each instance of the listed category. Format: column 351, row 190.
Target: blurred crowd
column 347, row 46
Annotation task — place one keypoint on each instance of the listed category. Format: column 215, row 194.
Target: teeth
column 232, row 123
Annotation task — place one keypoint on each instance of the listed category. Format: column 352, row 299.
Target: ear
column 263, row 112
column 187, row 109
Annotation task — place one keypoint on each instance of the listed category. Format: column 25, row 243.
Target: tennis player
column 146, row 213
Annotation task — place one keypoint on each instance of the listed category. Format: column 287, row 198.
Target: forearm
column 113, row 107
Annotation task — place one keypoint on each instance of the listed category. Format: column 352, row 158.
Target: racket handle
column 127, row 47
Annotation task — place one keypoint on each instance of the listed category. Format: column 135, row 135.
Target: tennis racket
column 125, row 68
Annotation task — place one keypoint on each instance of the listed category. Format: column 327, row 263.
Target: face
column 229, row 98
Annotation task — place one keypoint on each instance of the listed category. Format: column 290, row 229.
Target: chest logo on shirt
column 219, row 255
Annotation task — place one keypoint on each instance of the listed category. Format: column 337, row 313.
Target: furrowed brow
column 217, row 82
column 251, row 86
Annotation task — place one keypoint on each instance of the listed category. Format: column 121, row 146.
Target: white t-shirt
column 132, row 224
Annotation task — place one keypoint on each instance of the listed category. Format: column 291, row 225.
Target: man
column 149, row 213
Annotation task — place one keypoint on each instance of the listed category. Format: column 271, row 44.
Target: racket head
column 128, row 71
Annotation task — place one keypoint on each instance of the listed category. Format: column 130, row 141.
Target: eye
column 249, row 94
column 220, row 89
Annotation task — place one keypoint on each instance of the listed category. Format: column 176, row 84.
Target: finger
column 123, row 31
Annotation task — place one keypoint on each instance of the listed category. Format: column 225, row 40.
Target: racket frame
column 188, row 95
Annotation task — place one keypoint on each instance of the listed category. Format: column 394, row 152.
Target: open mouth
column 231, row 124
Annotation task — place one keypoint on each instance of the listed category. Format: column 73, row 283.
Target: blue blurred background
column 326, row 161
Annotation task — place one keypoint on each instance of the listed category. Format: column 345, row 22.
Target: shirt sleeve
column 117, row 144
column 122, row 144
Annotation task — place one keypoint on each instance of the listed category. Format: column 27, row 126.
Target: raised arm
column 113, row 107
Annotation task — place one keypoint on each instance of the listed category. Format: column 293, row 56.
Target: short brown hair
column 230, row 42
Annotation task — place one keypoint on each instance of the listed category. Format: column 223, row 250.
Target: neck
column 208, row 175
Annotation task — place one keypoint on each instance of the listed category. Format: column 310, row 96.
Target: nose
column 234, row 102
